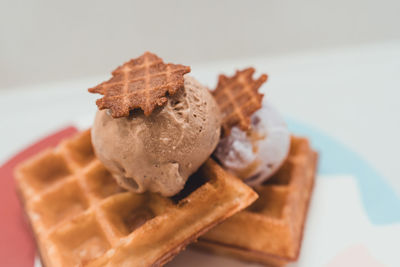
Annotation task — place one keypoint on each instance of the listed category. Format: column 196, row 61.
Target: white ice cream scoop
column 257, row 154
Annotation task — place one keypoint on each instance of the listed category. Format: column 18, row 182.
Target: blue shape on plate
column 381, row 202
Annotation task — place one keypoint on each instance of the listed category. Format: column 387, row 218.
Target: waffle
column 81, row 217
column 142, row 82
column 238, row 98
column 270, row 230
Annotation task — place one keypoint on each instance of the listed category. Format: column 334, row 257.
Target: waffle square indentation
column 80, row 241
column 271, row 202
column 100, row 182
column 63, row 203
column 127, row 212
column 80, row 149
column 47, row 169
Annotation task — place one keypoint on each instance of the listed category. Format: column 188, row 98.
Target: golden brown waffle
column 238, row 98
column 81, row 217
column 270, row 230
column 142, row 82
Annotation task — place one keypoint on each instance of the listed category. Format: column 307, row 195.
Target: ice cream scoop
column 256, row 155
column 160, row 151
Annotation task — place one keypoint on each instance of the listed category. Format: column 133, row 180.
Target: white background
column 50, row 40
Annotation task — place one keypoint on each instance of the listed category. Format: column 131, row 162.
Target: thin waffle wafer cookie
column 142, row 82
column 238, row 98
column 270, row 230
column 81, row 217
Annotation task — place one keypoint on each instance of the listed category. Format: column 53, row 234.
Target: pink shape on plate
column 17, row 247
column 357, row 255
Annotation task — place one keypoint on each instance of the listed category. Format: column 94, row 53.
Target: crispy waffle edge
column 164, row 258
column 251, row 255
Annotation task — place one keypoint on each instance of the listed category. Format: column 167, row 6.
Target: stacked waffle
column 79, row 214
column 81, row 217
column 271, row 229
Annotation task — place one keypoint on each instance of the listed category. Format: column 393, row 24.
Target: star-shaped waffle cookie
column 143, row 82
column 238, row 98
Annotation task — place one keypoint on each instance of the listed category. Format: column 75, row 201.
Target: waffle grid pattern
column 140, row 83
column 238, row 98
column 270, row 230
column 81, row 217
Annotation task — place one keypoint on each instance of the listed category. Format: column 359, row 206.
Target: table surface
column 350, row 93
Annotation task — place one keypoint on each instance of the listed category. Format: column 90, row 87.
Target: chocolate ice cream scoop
column 159, row 152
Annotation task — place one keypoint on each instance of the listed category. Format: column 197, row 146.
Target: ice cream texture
column 159, row 152
column 257, row 154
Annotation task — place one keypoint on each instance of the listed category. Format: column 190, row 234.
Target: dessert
column 256, row 154
column 270, row 231
column 139, row 186
column 256, row 140
column 160, row 151
column 157, row 129
column 81, row 217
